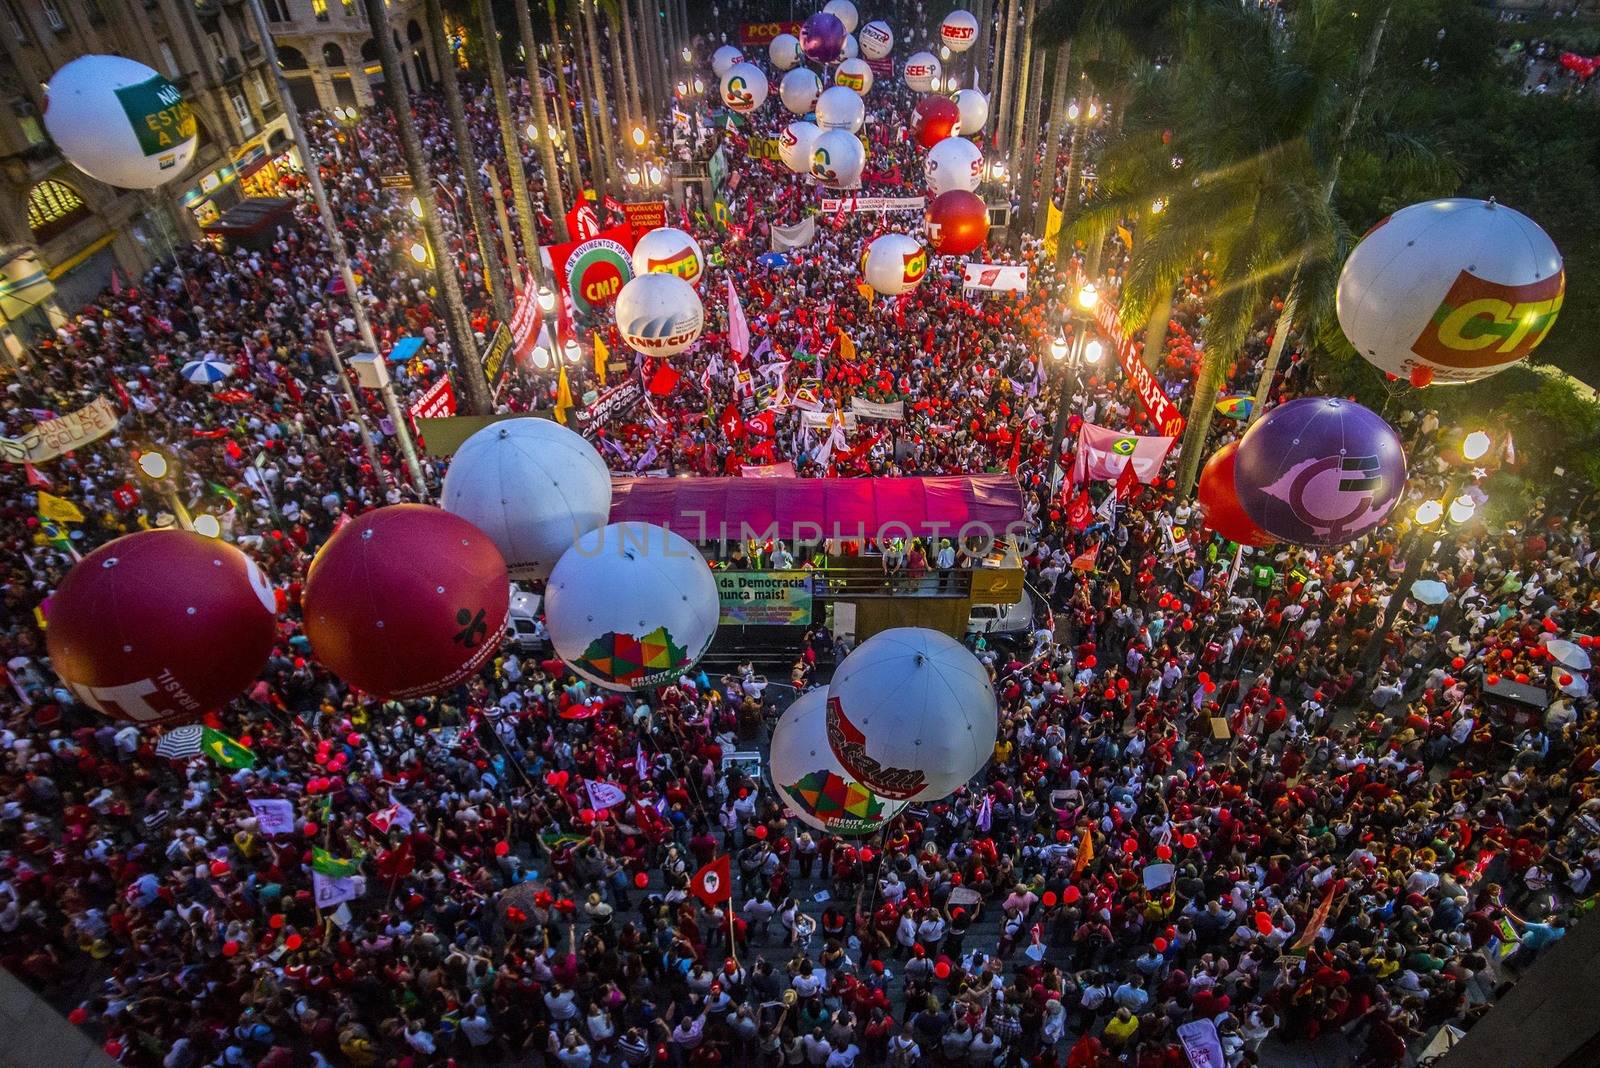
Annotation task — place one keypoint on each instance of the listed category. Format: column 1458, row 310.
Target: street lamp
column 416, row 207
column 1082, row 305
column 547, row 299
column 1428, row 513
column 1462, row 509
column 208, row 525
column 541, row 357
column 1088, row 296
column 159, row 470
column 688, row 56
column 418, row 252
column 638, row 136
column 699, row 86
column 533, row 131
column 1475, row 446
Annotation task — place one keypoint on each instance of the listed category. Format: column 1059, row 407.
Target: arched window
column 413, row 31
column 369, row 51
column 290, row 58
column 332, row 56
column 53, row 207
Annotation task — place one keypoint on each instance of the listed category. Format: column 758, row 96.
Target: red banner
column 762, row 33
column 1157, row 407
column 525, row 319
column 437, row 402
column 645, row 215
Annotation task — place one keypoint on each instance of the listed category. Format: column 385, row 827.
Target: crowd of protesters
column 1362, row 845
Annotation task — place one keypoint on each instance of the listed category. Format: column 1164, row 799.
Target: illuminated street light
column 416, row 206
column 533, row 131
column 208, row 525
column 654, row 174
column 154, row 464
column 1157, row 206
column 547, row 299
column 699, row 86
column 1475, row 445
column 631, row 176
column 1073, row 111
column 1058, row 347
column 1093, row 351
column 944, row 51
column 1088, row 296
column 418, row 251
column 1462, row 509
column 638, row 136
column 1428, row 513
column 688, row 56
column 573, row 353
column 541, row 357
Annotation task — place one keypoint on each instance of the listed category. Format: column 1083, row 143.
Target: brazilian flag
column 325, row 863
column 225, row 750
column 719, row 212
column 225, row 493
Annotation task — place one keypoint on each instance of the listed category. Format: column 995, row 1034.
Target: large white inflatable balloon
column 839, row 108
column 799, row 90
column 795, row 145
column 954, row 163
column 1451, row 290
column 784, row 51
column 877, row 40
column 659, row 314
column 631, row 605
column 974, row 107
column 669, row 250
column 533, row 486
column 912, row 714
column 119, row 121
column 894, row 264
column 851, row 49
column 921, row 71
column 812, row 783
column 855, row 75
column 744, row 88
column 837, row 158
column 845, row 12
column 959, row 30
column 723, row 59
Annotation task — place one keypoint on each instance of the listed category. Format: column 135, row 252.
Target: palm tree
column 510, row 144
column 499, row 295
column 553, row 193
column 1238, row 143
column 470, row 384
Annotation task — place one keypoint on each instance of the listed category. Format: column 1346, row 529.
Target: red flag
column 763, row 424
column 34, row 477
column 1016, row 455
column 1127, row 482
column 1086, row 561
column 1080, row 512
column 664, row 380
column 397, row 863
column 713, row 884
column 732, row 425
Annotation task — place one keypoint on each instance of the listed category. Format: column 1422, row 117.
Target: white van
column 524, row 629
column 1002, row 618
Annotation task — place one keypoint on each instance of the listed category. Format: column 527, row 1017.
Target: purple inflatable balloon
column 822, row 37
column 1319, row 471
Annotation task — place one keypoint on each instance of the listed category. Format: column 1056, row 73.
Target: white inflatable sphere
column 912, row 714
column 877, row 40
column 845, row 12
column 851, row 49
column 631, row 605
column 799, row 90
column 839, row 108
column 855, row 75
column 669, row 250
column 974, row 107
column 954, row 163
column 812, row 783
column 723, row 59
column 959, row 30
column 784, row 51
column 1464, row 288
column 795, row 145
column 533, row 486
column 119, row 121
column 894, row 264
column 659, row 314
column 744, row 88
column 920, row 71
column 837, row 158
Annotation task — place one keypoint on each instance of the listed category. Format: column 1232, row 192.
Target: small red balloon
column 1048, row 898
column 1070, row 895
column 1566, row 680
column 1163, row 852
column 275, row 921
column 1492, row 680
column 1458, row 663
column 1421, row 376
column 502, row 848
column 219, row 868
column 1130, row 846
column 230, row 948
column 1089, row 661
column 641, row 879
column 1263, row 923
column 309, row 829
column 1522, row 678
column 942, row 969
column 587, row 815
column 1159, row 945
column 1189, row 841
column 1551, row 625
column 293, row 942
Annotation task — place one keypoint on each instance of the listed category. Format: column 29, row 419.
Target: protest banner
column 53, row 437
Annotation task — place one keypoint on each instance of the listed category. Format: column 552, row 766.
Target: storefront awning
column 852, row 509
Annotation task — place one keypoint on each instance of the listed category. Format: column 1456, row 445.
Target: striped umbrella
column 181, row 743
column 206, row 371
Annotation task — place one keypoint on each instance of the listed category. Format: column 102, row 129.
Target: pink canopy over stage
column 714, row 509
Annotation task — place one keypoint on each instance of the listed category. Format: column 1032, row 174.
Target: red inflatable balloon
column 936, row 118
column 957, row 221
column 1220, row 501
column 406, row 601
column 161, row 625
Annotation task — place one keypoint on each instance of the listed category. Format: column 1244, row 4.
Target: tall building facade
column 61, row 232
column 327, row 54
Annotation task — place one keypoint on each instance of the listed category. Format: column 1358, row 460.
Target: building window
column 320, row 9
column 241, row 111
column 332, row 56
column 276, row 10
column 168, row 60
column 28, row 120
column 18, row 30
column 53, row 207
column 259, row 85
column 52, row 16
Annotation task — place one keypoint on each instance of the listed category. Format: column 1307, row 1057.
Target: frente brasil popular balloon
column 812, row 783
column 957, row 222
column 120, row 121
column 631, row 605
column 1450, row 291
column 532, row 486
column 822, row 37
column 1219, row 501
column 912, row 714
column 161, row 626
column 1319, row 471
column 406, row 601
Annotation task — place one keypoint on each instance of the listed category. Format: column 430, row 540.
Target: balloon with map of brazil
column 812, row 783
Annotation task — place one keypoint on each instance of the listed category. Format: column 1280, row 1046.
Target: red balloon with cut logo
column 957, row 221
column 160, row 626
column 935, row 118
column 1220, row 501
column 406, row 601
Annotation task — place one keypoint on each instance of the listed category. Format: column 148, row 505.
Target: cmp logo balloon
column 1484, row 324
column 850, row 746
column 596, row 273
